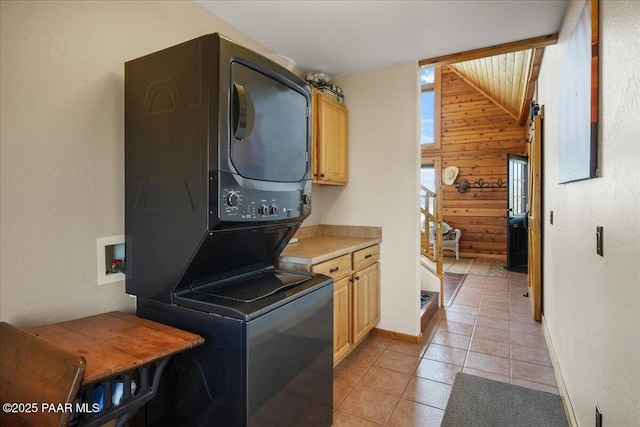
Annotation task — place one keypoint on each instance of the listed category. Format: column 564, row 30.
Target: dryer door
column 268, row 126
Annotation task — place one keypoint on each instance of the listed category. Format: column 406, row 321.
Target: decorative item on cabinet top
column 321, row 82
column 285, row 61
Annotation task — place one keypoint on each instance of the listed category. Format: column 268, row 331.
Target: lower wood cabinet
column 356, row 297
column 341, row 318
column 351, row 256
column 366, row 301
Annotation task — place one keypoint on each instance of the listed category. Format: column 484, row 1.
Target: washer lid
column 235, row 252
column 271, row 288
column 254, row 288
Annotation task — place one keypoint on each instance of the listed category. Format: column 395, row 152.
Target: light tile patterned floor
column 487, row 331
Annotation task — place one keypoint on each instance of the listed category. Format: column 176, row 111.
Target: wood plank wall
column 476, row 137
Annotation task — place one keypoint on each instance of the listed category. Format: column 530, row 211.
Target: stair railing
column 430, row 220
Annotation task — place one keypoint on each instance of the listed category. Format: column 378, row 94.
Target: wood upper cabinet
column 329, row 140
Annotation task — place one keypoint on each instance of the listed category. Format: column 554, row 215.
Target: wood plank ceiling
column 503, row 78
column 505, row 73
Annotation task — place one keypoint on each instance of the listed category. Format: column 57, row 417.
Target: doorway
column 517, row 199
column 431, row 220
column 477, row 136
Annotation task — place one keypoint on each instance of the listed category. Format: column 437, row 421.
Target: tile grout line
column 509, row 312
column 473, row 330
column 411, row 376
column 399, row 398
column 487, row 295
column 511, row 286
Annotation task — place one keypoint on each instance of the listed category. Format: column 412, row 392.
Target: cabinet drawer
column 336, row 267
column 365, row 257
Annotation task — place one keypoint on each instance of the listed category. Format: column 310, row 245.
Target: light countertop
column 324, row 242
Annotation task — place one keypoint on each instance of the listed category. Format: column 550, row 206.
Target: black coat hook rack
column 463, row 186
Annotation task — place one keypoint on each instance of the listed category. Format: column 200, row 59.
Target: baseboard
column 566, row 401
column 397, row 336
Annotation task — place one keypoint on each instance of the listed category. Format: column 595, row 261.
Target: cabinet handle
column 333, row 270
column 368, row 256
column 321, row 175
column 357, row 277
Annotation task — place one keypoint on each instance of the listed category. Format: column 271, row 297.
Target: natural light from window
column 427, row 179
column 427, row 82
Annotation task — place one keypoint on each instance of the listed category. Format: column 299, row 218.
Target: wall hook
column 463, row 186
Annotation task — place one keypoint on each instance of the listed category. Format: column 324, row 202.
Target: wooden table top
column 114, row 343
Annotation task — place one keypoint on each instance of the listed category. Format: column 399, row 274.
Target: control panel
column 272, row 202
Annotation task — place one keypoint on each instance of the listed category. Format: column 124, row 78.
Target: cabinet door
column 366, row 300
column 315, row 95
column 331, row 141
column 341, row 318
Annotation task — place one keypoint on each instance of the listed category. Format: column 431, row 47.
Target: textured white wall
column 592, row 303
column 384, row 162
column 62, row 143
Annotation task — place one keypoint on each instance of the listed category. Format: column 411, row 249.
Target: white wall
column 62, row 175
column 384, row 162
column 62, row 146
column 592, row 303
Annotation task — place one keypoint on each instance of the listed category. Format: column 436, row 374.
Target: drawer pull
column 368, row 256
column 333, row 270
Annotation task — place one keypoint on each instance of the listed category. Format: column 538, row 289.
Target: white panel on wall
column 109, row 249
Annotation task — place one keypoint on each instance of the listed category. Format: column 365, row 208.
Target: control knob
column 306, row 199
column 263, row 210
column 274, row 209
column 233, row 199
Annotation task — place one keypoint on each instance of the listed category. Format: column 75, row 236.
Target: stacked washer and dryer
column 217, row 181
